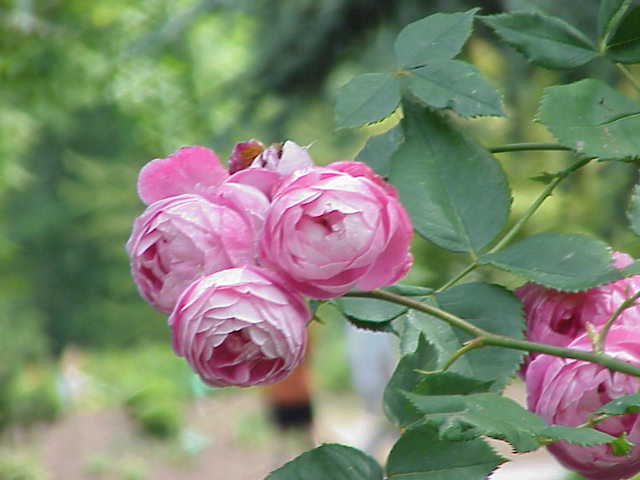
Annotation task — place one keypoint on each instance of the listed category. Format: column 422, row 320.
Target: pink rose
column 565, row 391
column 556, row 317
column 189, row 170
column 179, row 239
column 329, row 232
column 359, row 169
column 241, row 327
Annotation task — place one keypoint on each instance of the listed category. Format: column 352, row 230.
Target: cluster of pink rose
column 229, row 254
column 565, row 391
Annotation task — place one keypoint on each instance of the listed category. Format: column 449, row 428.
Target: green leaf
column 420, row 454
column 374, row 314
column 408, row 290
column 633, row 210
column 496, row 310
column 633, row 269
column 405, row 378
column 438, row 333
column 593, row 119
column 568, row 262
column 624, row 45
column 546, row 41
column 367, row 98
column 337, row 462
column 487, row 414
column 580, row 436
column 456, row 85
column 454, row 190
column 609, row 15
column 378, row 150
column 450, row 383
column 436, row 37
column 369, row 313
column 622, row 405
column 469, row 415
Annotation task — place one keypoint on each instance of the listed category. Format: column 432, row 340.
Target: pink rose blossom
column 556, row 317
column 246, row 200
column 359, row 169
column 179, row 239
column 189, row 170
column 329, row 232
column 241, row 327
column 565, row 391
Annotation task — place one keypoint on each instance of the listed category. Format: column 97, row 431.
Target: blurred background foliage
column 90, row 91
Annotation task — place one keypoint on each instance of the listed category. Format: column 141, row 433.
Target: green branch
column 625, row 71
column 513, row 231
column 524, row 147
column 601, row 337
column 485, row 338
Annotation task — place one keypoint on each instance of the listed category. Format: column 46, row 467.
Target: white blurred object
column 529, row 471
column 372, row 358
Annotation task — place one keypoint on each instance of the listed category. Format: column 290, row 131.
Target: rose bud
column 556, row 317
column 253, row 164
column 329, row 232
column 181, row 238
column 240, row 327
column 564, row 391
column 189, row 170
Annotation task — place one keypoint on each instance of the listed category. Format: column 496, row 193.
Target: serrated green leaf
column 337, row 462
column 420, row 454
column 469, row 414
column 454, row 190
column 546, row 41
column 369, row 313
column 624, row 44
column 450, row 383
column 436, row 37
column 487, row 414
column 622, row 405
column 438, row 333
column 580, row 436
column 633, row 210
column 366, row 99
column 568, row 262
column 609, row 15
column 593, row 119
column 405, row 378
column 377, row 315
column 378, row 150
column 456, row 85
column 496, row 310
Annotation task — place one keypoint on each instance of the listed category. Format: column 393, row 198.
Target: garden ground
column 225, row 436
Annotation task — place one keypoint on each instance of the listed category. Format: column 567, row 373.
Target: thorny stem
column 599, row 343
column 484, row 338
